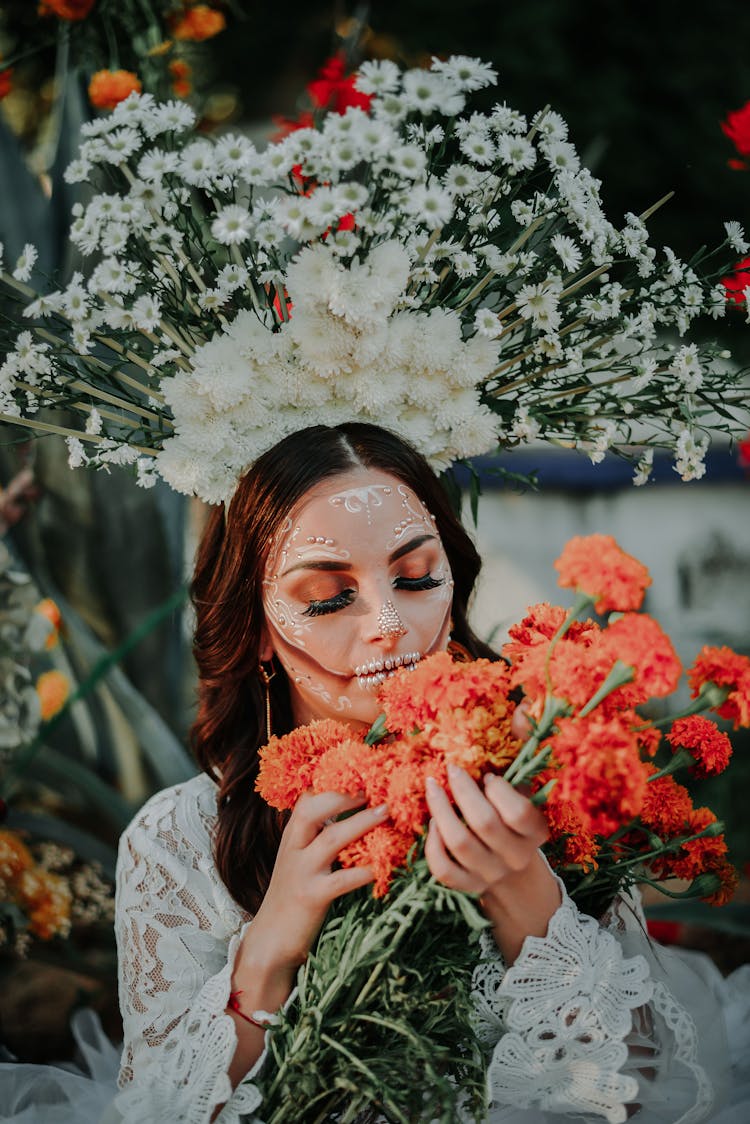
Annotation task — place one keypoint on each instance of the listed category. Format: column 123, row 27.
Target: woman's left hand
column 493, row 851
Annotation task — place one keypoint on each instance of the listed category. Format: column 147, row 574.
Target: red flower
column 334, row 90
column 743, row 447
column 737, row 128
column 596, row 565
column 666, row 807
column 108, row 88
column 736, row 283
column 706, row 853
column 665, row 932
column 710, row 746
column 601, row 771
column 66, row 9
column 6, row 82
column 727, row 669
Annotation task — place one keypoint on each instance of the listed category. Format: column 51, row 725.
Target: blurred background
column 96, row 677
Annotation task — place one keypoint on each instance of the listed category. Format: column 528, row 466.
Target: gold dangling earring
column 266, row 678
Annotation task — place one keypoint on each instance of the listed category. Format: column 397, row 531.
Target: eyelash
column 341, row 600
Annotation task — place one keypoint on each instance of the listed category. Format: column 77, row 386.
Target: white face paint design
column 357, row 584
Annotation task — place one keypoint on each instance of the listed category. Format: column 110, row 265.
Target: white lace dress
column 592, row 1022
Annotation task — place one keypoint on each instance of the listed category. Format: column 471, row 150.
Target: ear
column 265, row 652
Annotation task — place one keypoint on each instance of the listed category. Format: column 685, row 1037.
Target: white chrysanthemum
column 325, row 342
column 408, row 160
column 76, row 299
column 378, row 76
column 465, row 73
column 133, row 109
column 515, row 151
column 232, row 225
column 114, row 238
column 550, row 125
column 644, row 369
column 77, row 171
column 431, row 205
column 391, row 108
column 424, row 91
column 540, row 304
column 156, row 163
column 686, row 366
column 76, row 453
column 504, row 119
column 311, row 277
column 644, row 467
column 567, row 251
column 487, row 324
column 561, row 156
column 25, row 262
column 478, row 147
column 233, row 153
column 197, row 165
column 168, row 117
column 146, row 313
column 736, row 237
column 461, row 179
column 120, row 145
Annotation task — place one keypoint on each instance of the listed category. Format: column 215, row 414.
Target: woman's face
column 357, row 584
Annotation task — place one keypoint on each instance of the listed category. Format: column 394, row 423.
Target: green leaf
column 55, row 768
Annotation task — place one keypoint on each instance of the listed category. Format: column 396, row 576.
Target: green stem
column 620, row 674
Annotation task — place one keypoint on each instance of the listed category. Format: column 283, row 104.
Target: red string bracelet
column 234, row 1005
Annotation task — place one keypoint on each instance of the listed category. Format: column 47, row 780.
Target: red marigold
column 66, row 9
column 737, row 127
column 649, row 737
column 576, row 845
column 601, row 772
column 596, row 565
column 197, row 23
column 710, row 746
column 639, row 641
column 108, row 88
column 728, row 879
column 667, row 806
column 727, row 669
column 737, row 282
column 706, row 853
column 287, row 764
column 181, row 72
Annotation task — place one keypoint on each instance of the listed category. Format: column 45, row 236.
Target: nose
column 389, row 624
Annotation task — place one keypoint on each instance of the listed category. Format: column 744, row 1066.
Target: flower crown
column 449, row 276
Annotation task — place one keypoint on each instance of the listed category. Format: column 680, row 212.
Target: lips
column 373, row 673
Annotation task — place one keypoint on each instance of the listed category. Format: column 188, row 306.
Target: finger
column 515, row 810
column 342, row 881
column 466, row 848
column 507, row 851
column 312, row 810
column 520, row 724
column 336, row 836
column 444, row 869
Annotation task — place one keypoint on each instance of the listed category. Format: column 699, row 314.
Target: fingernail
column 381, row 810
column 431, row 785
column 453, row 770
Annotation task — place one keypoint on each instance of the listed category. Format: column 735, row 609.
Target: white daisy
column 431, row 205
column 736, row 237
column 25, row 262
column 408, row 161
column 378, row 76
column 567, row 251
column 424, row 91
column 232, row 225
column 466, row 73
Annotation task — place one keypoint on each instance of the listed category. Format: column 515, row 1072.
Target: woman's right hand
column 303, row 883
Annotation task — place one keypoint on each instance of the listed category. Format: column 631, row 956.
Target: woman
column 338, row 560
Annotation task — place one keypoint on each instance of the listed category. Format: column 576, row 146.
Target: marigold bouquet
column 447, row 273
column 602, row 772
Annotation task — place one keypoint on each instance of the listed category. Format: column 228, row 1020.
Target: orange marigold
column 197, row 23
column 414, row 699
column 53, row 688
column 47, row 608
column 727, row 669
column 287, row 764
column 601, row 772
column 108, row 88
column 707, row 852
column 528, row 648
column 710, row 746
column 181, row 72
column 577, row 846
column 596, row 565
column 640, row 642
column 384, row 848
column 15, row 856
column 66, row 9
column 46, row 897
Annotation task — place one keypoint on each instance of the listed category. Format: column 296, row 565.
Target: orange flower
column 601, row 772
column 666, row 807
column 108, row 88
column 197, row 23
column 66, row 9
column 384, row 848
column 15, row 856
column 53, row 689
column 416, row 699
column 47, row 608
column 287, row 764
column 729, row 880
column 707, row 853
column 566, row 827
column 529, row 644
column 181, row 72
column 639, row 641
column 46, row 897
column 710, row 746
column 596, row 565
column 727, row 669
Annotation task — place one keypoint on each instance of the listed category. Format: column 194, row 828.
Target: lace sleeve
column 177, row 934
column 587, row 1023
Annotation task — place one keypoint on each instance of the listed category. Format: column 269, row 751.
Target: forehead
column 357, row 511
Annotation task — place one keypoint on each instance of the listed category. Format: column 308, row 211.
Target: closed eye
column 425, row 582
column 329, row 604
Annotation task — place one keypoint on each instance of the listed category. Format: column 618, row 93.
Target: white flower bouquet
column 449, row 275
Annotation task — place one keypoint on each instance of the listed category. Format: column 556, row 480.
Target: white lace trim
column 178, row 933
column 563, row 1012
column 685, row 1034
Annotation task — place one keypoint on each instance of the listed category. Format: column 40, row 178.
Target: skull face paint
column 357, row 584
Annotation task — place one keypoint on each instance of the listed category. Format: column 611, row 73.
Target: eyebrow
column 326, row 564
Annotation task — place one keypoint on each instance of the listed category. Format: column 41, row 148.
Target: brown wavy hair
column 226, row 591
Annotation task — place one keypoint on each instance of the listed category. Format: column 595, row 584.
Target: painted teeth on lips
column 373, row 673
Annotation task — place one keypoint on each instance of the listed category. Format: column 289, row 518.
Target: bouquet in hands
column 382, row 1021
